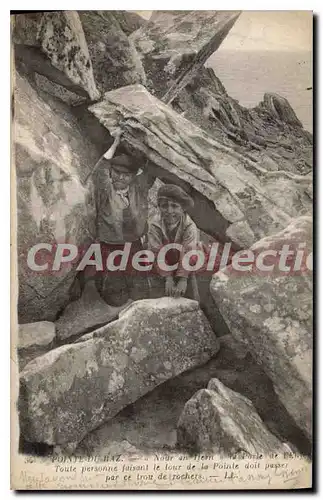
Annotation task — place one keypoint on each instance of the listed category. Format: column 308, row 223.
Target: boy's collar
column 166, row 229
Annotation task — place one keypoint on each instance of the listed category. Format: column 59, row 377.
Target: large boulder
column 52, row 159
column 224, row 422
column 115, row 60
column 150, row 423
column 73, row 389
column 174, row 45
column 53, row 44
column 273, row 313
column 236, row 198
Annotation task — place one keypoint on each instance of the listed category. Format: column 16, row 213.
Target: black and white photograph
column 162, row 190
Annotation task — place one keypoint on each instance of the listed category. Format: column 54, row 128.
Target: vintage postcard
column 162, row 204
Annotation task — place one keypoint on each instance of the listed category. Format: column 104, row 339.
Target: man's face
column 121, row 179
column 171, row 211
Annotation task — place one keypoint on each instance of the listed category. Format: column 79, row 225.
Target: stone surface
column 25, row 28
column 34, row 339
column 40, row 334
column 114, row 58
column 86, row 313
column 273, row 313
column 58, row 91
column 278, row 142
column 236, row 347
column 73, row 389
column 281, row 108
column 59, row 38
column 52, row 158
column 63, row 41
column 174, row 45
column 233, row 201
column 129, row 21
column 224, row 422
column 150, row 423
column 299, row 231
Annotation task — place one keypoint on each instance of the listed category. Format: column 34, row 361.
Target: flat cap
column 173, row 192
column 125, row 163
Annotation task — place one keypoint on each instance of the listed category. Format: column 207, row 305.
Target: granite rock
column 224, row 422
column 273, row 313
column 56, row 40
column 73, row 389
column 115, row 60
column 52, row 157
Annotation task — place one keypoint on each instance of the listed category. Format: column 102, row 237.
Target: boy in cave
column 121, row 195
column 173, row 225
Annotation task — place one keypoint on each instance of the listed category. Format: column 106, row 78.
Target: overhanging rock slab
column 231, row 202
column 174, row 45
column 73, row 389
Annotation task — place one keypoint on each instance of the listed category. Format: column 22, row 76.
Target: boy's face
column 121, row 179
column 171, row 211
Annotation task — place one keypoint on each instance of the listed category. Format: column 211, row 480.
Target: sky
column 271, row 30
column 267, row 51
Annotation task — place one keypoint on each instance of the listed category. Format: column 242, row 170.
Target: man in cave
column 121, row 192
